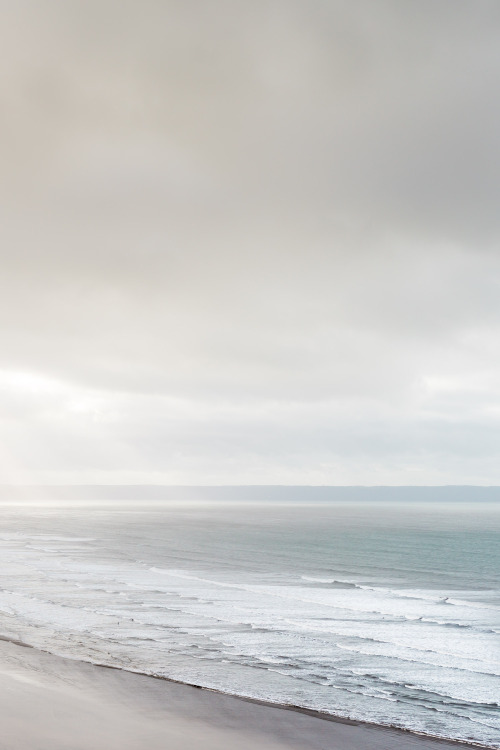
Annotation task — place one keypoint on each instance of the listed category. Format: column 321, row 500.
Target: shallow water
column 381, row 612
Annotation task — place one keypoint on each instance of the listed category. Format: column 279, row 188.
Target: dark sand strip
column 51, row 703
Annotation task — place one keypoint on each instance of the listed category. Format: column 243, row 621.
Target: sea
column 380, row 612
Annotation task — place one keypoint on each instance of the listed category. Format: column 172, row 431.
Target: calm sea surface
column 386, row 613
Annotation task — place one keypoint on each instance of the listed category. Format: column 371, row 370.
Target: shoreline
column 314, row 713
column 119, row 696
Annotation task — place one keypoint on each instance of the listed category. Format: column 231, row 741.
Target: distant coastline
column 250, row 493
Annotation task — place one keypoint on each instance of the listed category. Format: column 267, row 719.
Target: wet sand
column 53, row 703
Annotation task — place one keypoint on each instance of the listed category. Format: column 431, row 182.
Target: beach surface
column 53, row 703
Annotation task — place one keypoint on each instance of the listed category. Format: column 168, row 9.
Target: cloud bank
column 250, row 242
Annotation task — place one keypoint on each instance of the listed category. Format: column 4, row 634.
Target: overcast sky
column 250, row 241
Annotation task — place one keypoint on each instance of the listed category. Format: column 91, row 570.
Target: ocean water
column 388, row 613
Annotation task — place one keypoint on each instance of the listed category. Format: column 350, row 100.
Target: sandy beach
column 53, row 703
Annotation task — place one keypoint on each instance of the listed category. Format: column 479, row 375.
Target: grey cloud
column 251, row 204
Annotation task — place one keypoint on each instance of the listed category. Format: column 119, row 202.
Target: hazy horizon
column 141, row 495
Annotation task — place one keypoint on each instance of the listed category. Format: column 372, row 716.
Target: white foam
column 72, row 595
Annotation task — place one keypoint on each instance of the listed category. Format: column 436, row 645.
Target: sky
column 250, row 241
